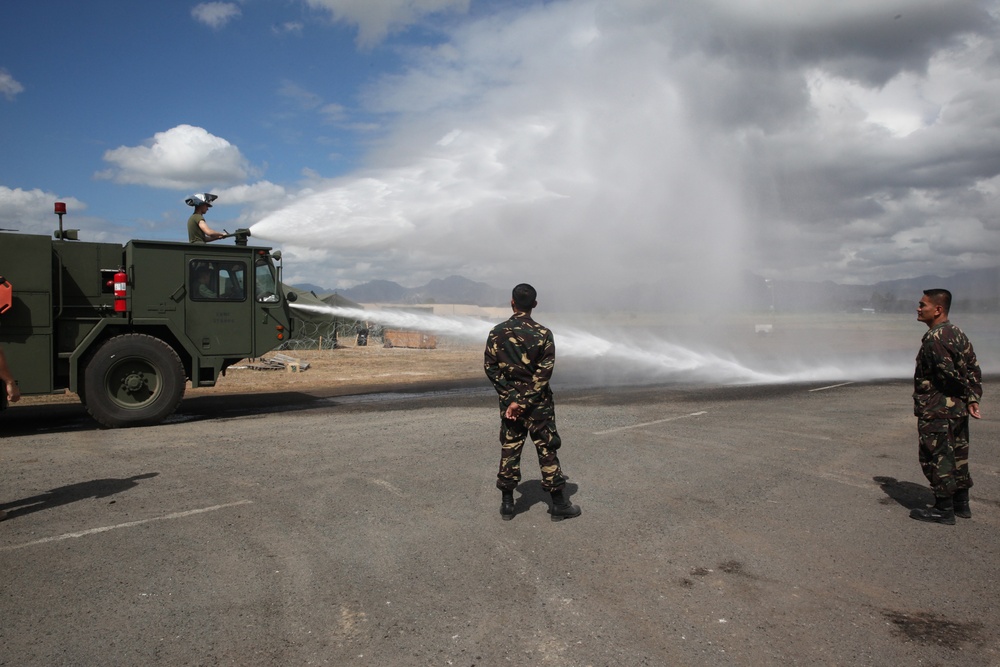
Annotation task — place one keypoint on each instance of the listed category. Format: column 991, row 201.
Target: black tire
column 133, row 380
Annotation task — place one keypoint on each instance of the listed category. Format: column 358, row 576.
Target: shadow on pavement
column 73, row 417
column 63, row 495
column 532, row 494
column 908, row 494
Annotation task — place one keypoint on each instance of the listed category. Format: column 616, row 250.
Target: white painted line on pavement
column 104, row 529
column 832, row 386
column 658, row 421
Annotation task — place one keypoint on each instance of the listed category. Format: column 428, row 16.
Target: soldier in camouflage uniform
column 519, row 358
column 947, row 386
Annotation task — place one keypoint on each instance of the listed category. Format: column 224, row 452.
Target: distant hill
column 309, row 287
column 453, row 289
column 975, row 291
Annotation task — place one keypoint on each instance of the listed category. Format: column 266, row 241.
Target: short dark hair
column 524, row 296
column 940, row 297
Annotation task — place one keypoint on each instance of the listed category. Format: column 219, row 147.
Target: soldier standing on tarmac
column 947, row 388
column 519, row 359
column 198, row 229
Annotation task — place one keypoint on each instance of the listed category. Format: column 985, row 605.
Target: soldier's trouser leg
column 960, row 444
column 513, row 433
column 547, row 441
column 512, row 436
column 938, row 456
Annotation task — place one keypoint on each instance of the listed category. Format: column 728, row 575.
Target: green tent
column 314, row 330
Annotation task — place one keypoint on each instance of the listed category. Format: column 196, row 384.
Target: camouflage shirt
column 947, row 377
column 519, row 358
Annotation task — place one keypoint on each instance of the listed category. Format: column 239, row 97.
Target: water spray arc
column 654, row 361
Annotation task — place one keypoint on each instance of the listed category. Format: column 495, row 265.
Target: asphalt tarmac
column 720, row 526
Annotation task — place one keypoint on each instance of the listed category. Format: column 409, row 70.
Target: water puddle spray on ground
column 656, row 360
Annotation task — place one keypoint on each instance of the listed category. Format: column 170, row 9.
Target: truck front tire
column 133, row 380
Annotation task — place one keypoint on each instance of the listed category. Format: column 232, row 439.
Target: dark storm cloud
column 871, row 42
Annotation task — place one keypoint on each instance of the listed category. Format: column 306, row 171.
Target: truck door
column 219, row 306
column 272, row 323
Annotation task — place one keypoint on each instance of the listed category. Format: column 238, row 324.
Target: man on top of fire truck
column 198, row 229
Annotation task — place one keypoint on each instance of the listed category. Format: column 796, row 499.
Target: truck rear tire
column 133, row 380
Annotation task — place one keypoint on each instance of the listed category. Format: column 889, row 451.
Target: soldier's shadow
column 532, row 494
column 908, row 494
column 63, row 495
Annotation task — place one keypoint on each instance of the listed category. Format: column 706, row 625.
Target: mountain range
column 975, row 290
column 453, row 289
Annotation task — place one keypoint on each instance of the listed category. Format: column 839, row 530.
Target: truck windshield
column 267, row 291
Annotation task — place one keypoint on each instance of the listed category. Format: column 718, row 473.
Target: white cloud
column 376, row 19
column 9, row 86
column 592, row 142
column 183, row 157
column 334, row 113
column 302, row 98
column 289, row 28
column 31, row 211
column 216, row 14
column 262, row 193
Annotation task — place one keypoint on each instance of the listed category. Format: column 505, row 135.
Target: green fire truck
column 125, row 327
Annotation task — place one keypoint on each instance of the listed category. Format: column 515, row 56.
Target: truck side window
column 217, row 281
column 232, row 282
column 202, row 288
column 266, row 285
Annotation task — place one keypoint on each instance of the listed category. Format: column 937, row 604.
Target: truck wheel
column 133, row 380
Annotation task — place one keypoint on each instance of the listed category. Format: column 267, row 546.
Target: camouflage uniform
column 519, row 358
column 946, row 380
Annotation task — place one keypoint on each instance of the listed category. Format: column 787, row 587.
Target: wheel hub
column 133, row 382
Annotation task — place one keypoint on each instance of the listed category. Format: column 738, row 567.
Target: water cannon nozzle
column 241, row 236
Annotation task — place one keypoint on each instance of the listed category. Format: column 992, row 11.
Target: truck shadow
column 227, row 406
column 22, row 419
column 73, row 417
column 45, row 418
column 63, row 495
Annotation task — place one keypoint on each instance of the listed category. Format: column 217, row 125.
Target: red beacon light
column 67, row 234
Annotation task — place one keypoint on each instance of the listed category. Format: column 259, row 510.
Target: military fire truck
column 125, row 327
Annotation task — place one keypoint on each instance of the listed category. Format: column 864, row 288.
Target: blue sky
column 580, row 143
column 278, row 81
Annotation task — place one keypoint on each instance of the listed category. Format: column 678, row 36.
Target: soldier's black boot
column 961, row 500
column 507, row 506
column 562, row 508
column 942, row 512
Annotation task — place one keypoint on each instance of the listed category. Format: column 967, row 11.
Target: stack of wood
column 279, row 362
